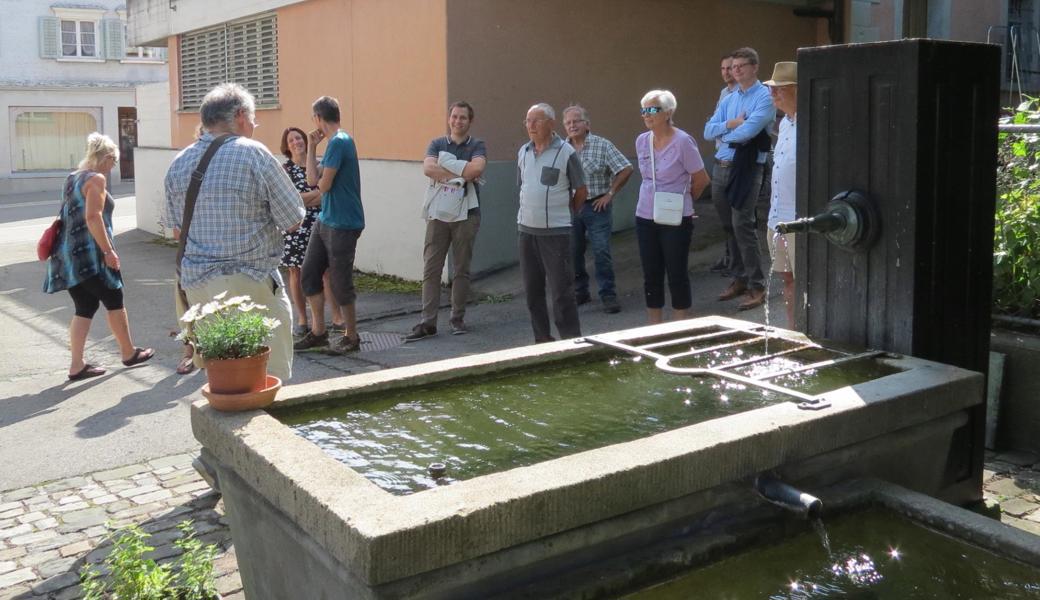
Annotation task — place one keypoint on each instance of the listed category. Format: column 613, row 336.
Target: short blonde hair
column 99, row 147
column 665, row 98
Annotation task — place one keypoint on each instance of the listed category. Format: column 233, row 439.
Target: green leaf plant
column 226, row 328
column 131, row 576
column 1016, row 247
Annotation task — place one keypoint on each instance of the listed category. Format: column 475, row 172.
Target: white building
column 65, row 71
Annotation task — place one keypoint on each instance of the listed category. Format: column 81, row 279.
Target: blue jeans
column 597, row 226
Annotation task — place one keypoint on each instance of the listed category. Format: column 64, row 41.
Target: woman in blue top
column 84, row 260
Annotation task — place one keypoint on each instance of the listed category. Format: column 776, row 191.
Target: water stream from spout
column 769, row 285
column 821, row 532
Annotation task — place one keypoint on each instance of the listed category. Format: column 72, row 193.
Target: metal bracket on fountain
column 724, row 371
column 850, row 222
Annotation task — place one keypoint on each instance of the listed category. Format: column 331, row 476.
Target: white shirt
column 782, row 202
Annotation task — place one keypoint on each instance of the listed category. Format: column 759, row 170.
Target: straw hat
column 784, row 73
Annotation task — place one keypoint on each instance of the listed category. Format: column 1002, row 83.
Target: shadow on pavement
column 164, row 395
column 27, row 406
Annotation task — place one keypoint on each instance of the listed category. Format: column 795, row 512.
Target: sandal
column 186, row 366
column 140, row 355
column 87, row 372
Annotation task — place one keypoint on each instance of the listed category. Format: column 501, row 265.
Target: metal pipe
column 785, row 496
column 829, row 221
column 1016, row 320
column 1012, row 128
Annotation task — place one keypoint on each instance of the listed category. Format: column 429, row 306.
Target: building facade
column 67, row 71
column 395, row 66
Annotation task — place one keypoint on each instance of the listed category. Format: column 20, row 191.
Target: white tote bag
column 668, row 206
column 446, row 201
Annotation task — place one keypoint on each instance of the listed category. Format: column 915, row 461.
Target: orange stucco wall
column 384, row 61
column 605, row 54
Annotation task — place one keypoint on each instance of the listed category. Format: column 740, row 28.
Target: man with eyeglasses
column 721, row 207
column 606, row 172
column 740, row 122
column 552, row 187
column 467, row 157
column 233, row 238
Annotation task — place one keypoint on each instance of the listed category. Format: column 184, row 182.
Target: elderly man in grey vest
column 552, row 187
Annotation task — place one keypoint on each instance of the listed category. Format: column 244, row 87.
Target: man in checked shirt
column 245, row 202
column 606, row 172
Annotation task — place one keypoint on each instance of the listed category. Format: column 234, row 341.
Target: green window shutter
column 50, row 37
column 115, row 38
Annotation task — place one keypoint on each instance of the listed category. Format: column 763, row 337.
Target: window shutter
column 203, row 64
column 253, row 58
column 50, row 37
column 115, row 38
column 244, row 52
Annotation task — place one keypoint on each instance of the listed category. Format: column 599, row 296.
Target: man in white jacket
column 552, row 187
column 457, row 159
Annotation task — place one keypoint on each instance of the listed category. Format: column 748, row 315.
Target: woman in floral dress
column 294, row 147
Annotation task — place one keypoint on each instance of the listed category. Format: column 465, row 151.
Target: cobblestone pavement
column 1012, row 480
column 48, row 532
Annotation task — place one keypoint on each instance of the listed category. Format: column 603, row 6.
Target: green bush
column 134, row 577
column 1016, row 247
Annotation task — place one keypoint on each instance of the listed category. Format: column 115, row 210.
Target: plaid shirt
column 601, row 161
column 245, row 202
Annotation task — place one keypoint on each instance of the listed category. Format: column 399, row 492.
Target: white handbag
column 668, row 206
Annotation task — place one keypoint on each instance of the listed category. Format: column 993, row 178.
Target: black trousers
column 664, row 251
column 89, row 294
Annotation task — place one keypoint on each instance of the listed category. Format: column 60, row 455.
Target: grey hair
column 223, row 102
column 665, row 98
column 580, row 109
column 99, row 147
column 545, row 108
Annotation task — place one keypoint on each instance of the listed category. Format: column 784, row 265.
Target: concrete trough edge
column 357, row 522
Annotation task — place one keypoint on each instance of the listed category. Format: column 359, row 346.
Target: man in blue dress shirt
column 737, row 123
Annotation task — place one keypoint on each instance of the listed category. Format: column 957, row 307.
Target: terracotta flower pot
column 238, row 375
column 246, row 401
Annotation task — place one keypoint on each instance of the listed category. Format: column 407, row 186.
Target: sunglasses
column 650, row 110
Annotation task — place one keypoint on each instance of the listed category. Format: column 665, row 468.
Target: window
column 243, row 52
column 48, row 139
column 78, row 38
column 145, row 53
column 73, row 33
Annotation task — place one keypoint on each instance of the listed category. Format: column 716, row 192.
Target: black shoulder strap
column 193, row 192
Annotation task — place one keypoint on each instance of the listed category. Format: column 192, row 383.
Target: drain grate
column 372, row 342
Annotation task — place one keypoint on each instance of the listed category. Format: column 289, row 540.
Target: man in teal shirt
column 335, row 233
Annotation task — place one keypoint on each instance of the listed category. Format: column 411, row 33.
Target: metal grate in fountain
column 664, row 361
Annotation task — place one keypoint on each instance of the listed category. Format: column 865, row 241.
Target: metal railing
column 757, row 333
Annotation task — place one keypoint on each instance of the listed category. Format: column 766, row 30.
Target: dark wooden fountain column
column 913, row 125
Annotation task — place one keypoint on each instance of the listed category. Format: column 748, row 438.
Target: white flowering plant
column 226, row 328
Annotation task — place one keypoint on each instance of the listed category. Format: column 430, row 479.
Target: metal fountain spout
column 850, row 222
column 785, row 496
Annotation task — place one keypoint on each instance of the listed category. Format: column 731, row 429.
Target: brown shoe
column 734, row 290
column 755, row 298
